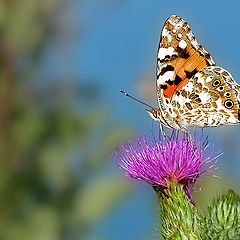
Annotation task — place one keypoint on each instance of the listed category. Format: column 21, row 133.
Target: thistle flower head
column 160, row 163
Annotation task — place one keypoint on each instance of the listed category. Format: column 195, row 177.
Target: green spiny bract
column 179, row 218
column 223, row 218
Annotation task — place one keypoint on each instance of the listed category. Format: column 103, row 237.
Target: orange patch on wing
column 202, row 65
column 195, row 62
column 169, row 91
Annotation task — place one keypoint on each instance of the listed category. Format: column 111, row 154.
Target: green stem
column 179, row 218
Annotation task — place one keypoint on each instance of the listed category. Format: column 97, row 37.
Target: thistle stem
column 179, row 217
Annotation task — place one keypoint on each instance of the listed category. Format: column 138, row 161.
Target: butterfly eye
column 227, row 94
column 228, row 104
column 216, row 83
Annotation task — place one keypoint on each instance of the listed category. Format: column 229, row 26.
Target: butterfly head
column 156, row 115
column 153, row 114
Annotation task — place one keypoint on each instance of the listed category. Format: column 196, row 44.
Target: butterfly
column 191, row 90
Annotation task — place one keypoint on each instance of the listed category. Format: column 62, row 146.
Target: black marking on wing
column 164, row 87
column 166, row 69
column 167, row 58
column 170, row 82
column 177, row 80
column 190, row 74
column 183, row 53
column 207, row 56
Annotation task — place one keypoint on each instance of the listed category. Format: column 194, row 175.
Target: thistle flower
column 172, row 167
column 162, row 163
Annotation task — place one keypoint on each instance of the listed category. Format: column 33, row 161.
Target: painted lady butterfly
column 191, row 90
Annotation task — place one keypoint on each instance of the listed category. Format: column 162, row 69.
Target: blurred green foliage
column 48, row 155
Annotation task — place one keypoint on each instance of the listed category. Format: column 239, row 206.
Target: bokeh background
column 62, row 64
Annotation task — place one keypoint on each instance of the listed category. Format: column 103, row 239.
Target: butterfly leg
column 163, row 134
column 189, row 137
column 191, row 142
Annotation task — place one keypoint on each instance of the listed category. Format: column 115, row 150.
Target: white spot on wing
column 162, row 53
column 190, row 36
column 179, row 35
column 179, row 24
column 204, row 96
column 182, row 44
column 172, row 22
column 195, row 44
column 188, row 87
column 219, row 104
column 169, row 38
column 200, row 80
column 164, row 32
column 166, row 76
column 209, row 79
column 170, row 51
column 159, row 81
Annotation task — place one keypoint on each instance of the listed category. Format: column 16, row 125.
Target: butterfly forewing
column 179, row 57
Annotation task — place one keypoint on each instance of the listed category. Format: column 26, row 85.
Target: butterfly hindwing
column 210, row 98
column 179, row 57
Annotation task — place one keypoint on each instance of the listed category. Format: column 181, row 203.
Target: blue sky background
column 112, row 45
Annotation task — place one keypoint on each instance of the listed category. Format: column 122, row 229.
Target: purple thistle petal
column 160, row 163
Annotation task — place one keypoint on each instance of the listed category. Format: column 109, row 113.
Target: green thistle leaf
column 223, row 218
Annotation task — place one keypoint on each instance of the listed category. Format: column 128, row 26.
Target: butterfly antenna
column 126, row 94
